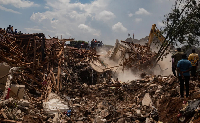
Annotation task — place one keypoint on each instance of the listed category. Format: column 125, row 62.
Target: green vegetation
column 182, row 25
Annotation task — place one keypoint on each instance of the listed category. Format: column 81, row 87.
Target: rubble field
column 42, row 80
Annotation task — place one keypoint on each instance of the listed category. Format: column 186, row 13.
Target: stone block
column 17, row 90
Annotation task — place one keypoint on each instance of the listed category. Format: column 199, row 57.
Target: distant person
column 12, row 29
column 183, row 67
column 15, row 31
column 177, row 56
column 193, row 58
column 101, row 43
column 92, row 43
column 8, row 30
column 4, row 30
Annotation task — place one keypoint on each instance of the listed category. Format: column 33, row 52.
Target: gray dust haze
column 162, row 68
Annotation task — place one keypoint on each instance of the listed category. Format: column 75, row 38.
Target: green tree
column 182, row 25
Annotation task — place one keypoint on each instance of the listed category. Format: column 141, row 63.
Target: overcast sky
column 104, row 20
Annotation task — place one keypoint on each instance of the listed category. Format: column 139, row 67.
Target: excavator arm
column 155, row 32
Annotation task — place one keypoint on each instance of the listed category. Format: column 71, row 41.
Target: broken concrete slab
column 18, row 90
column 54, row 104
column 147, row 100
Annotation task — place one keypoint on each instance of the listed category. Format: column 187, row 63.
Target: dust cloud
column 123, row 76
column 163, row 68
column 104, row 57
column 126, row 75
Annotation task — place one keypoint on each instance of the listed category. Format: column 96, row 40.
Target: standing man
column 193, row 58
column 184, row 66
column 173, row 66
column 177, row 56
column 8, row 30
column 15, row 31
column 12, row 30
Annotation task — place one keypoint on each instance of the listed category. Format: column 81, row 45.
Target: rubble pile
column 139, row 56
column 153, row 98
column 47, row 81
column 133, row 56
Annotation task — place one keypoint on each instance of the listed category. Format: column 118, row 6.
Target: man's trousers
column 186, row 80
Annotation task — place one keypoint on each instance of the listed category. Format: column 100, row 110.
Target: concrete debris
column 54, row 105
column 133, row 56
column 147, row 100
column 46, row 81
column 17, row 90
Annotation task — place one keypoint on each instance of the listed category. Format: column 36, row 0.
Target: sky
column 104, row 20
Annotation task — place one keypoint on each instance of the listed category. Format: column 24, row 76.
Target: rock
column 137, row 121
column 76, row 105
column 104, row 113
column 147, row 100
column 18, row 91
column 100, row 105
column 178, row 89
column 77, row 99
column 149, row 120
column 121, row 120
column 99, row 119
column 24, row 109
column 79, row 122
column 18, row 112
column 153, row 85
column 54, row 104
column 138, row 112
column 55, row 119
column 24, row 103
column 160, row 87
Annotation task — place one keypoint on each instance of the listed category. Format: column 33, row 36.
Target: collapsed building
column 42, row 80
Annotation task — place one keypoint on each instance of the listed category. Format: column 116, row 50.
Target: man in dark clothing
column 8, row 30
column 15, row 31
column 173, row 66
column 184, row 66
column 11, row 30
column 175, row 58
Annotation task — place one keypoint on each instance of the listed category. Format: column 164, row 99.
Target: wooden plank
column 4, row 115
column 10, row 45
column 34, row 55
column 10, row 121
column 49, row 89
column 16, row 52
column 59, row 54
column 58, row 75
column 31, row 77
column 28, row 45
column 53, row 80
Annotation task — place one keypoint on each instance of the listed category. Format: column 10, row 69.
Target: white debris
column 54, row 104
column 147, row 100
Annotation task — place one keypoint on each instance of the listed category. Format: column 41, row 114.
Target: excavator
column 155, row 32
column 133, row 54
